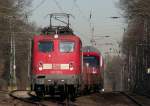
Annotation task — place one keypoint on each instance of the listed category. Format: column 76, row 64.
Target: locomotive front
column 92, row 78
column 56, row 65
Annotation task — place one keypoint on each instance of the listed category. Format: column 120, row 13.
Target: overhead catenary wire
column 72, row 7
column 80, row 10
column 88, row 20
column 36, row 7
column 59, row 6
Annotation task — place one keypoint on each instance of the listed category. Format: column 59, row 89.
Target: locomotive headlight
column 56, row 36
column 40, row 68
column 87, row 64
column 49, row 80
column 71, row 66
column 103, row 90
column 62, row 80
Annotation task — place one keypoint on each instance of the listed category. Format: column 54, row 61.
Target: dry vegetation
column 136, row 44
column 13, row 21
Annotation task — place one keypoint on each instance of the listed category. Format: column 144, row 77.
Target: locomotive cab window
column 91, row 60
column 45, row 46
column 66, row 46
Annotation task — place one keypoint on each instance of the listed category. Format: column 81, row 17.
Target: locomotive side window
column 45, row 46
column 91, row 60
column 66, row 46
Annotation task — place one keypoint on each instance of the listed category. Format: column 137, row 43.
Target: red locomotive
column 56, row 62
column 92, row 69
column 60, row 67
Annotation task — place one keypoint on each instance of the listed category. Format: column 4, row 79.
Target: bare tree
column 13, row 15
column 136, row 42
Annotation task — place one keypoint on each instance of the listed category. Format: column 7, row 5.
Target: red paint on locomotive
column 59, row 62
column 56, row 64
column 92, row 79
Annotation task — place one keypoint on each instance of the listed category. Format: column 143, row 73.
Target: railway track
column 30, row 97
column 146, row 95
column 5, row 99
column 17, row 94
column 136, row 100
column 27, row 98
column 132, row 99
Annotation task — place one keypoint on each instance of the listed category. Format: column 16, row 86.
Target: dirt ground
column 97, row 99
column 107, row 99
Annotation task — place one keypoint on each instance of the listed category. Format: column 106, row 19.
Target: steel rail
column 132, row 99
column 24, row 99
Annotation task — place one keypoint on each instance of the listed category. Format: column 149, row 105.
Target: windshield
column 45, row 46
column 66, row 46
column 91, row 60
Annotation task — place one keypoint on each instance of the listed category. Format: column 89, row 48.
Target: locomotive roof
column 52, row 36
column 90, row 49
column 91, row 54
column 59, row 29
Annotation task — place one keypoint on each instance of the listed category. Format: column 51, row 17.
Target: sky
column 100, row 10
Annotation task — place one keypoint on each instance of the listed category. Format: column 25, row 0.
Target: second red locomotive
column 92, row 69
